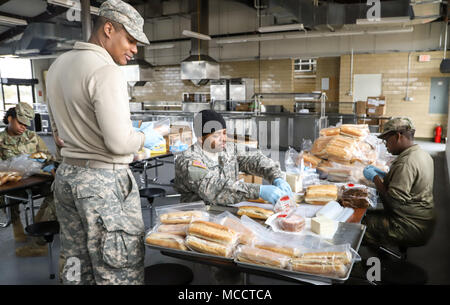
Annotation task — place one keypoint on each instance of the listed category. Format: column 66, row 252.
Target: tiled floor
column 433, row 258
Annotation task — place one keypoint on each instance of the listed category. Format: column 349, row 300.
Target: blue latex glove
column 283, row 185
column 40, row 160
column 49, row 168
column 380, row 172
column 271, row 193
column 144, row 125
column 152, row 137
column 370, row 172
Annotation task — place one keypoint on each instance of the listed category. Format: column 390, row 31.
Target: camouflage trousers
column 102, row 229
column 384, row 229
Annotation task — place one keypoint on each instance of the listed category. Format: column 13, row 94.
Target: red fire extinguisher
column 437, row 134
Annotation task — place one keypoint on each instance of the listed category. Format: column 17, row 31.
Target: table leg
column 8, row 214
column 31, row 202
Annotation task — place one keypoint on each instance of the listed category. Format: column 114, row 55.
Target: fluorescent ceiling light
column 159, row 46
column 12, row 21
column 196, row 35
column 380, row 21
column 281, row 28
column 73, row 4
column 27, row 51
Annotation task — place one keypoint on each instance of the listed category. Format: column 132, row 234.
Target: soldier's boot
column 32, row 250
column 19, row 233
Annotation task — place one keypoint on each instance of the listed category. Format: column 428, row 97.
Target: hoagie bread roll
column 178, row 229
column 261, row 257
column 166, row 240
column 209, row 247
column 181, row 217
column 213, row 232
column 255, row 212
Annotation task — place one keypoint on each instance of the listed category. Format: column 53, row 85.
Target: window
column 305, row 65
column 16, row 85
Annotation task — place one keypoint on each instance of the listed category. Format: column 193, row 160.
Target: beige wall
column 393, row 67
column 165, row 83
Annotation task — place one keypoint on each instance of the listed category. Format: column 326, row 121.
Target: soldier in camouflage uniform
column 408, row 217
column 97, row 199
column 16, row 140
column 208, row 173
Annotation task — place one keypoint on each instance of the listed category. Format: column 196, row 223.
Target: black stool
column 151, row 193
column 168, row 274
column 46, row 229
column 400, row 271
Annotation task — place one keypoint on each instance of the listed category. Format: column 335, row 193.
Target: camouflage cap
column 25, row 113
column 123, row 13
column 397, row 124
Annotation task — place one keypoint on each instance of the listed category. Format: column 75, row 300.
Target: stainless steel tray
column 296, row 274
column 192, row 253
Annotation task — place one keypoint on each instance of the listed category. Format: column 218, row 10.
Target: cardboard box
column 361, row 107
column 250, row 178
column 178, row 134
column 376, row 110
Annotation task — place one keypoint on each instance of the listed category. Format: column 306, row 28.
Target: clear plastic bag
column 306, row 144
column 246, row 236
column 253, row 255
column 204, row 246
column 291, row 161
column 176, row 229
column 213, row 231
column 284, row 205
column 333, row 261
column 22, row 165
column 166, row 240
column 357, row 196
column 182, row 213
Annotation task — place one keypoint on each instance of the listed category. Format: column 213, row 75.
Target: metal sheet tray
column 296, row 274
column 192, row 254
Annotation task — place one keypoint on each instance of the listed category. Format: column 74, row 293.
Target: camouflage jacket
column 197, row 177
column 27, row 143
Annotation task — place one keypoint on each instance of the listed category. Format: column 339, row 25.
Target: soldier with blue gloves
column 209, row 169
column 406, row 191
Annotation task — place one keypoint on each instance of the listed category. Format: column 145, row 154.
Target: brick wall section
column 393, row 67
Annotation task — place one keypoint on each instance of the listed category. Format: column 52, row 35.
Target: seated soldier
column 209, row 169
column 406, row 191
column 16, row 140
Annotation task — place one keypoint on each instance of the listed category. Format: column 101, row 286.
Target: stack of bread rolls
column 323, row 263
column 211, row 238
column 172, row 229
column 6, row 177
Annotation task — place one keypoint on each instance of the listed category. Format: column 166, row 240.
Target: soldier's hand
column 271, row 193
column 283, row 185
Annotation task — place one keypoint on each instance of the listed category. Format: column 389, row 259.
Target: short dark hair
column 100, row 21
column 10, row 113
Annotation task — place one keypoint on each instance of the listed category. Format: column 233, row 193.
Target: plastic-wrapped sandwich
column 321, row 194
column 257, row 256
column 323, row 263
column 166, row 240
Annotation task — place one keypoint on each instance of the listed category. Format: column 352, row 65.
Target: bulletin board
column 367, row 85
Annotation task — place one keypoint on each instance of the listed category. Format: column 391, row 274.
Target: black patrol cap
column 207, row 122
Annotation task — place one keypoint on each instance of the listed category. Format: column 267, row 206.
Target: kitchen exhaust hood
column 199, row 67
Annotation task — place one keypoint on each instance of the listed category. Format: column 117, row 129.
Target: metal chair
column 46, row 229
column 399, row 271
column 150, row 194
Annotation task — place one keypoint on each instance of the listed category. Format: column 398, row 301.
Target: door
column 439, row 95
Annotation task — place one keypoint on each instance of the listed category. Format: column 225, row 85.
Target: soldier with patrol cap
column 97, row 198
column 406, row 191
column 17, row 140
column 209, row 169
